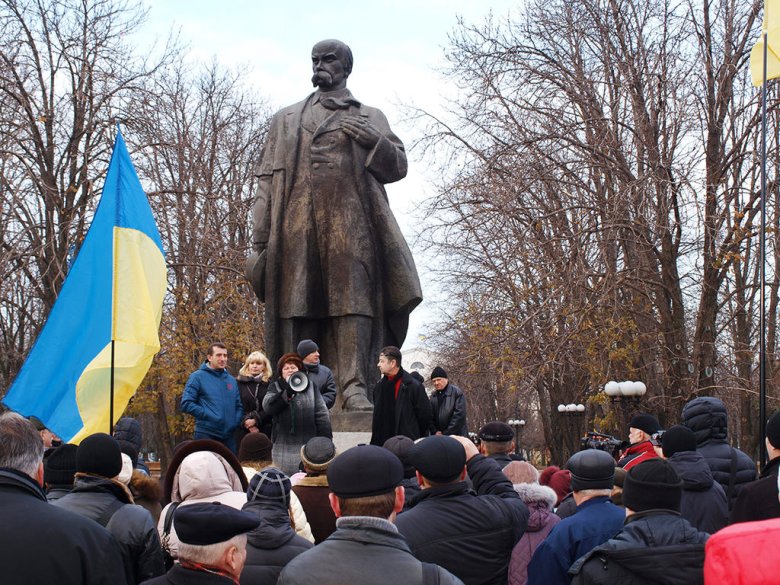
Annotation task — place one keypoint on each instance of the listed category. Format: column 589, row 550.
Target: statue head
column 331, row 62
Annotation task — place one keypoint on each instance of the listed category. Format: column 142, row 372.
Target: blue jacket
column 596, row 521
column 212, row 397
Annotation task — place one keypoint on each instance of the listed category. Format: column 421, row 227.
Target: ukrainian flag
column 113, row 293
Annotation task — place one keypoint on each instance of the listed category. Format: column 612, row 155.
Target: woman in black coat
column 253, row 380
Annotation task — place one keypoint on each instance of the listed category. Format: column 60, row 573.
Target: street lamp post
column 517, row 425
column 574, row 412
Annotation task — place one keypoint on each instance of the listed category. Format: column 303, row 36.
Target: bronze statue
column 329, row 259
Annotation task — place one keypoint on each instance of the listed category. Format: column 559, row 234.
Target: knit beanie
column 438, row 372
column 60, row 467
column 645, row 422
column 547, row 473
column 677, row 439
column 270, row 484
column 773, row 430
column 126, row 474
column 317, row 453
column 521, row 472
column 99, row 454
column 560, row 482
column 255, row 447
column 651, row 485
column 306, row 347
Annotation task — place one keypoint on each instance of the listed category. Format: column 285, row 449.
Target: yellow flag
column 771, row 27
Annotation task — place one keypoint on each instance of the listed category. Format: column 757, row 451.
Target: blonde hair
column 257, row 357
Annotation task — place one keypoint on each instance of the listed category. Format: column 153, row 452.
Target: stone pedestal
column 351, row 422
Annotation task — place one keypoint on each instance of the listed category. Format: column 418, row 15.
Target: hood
column 534, row 494
column 218, row 373
column 274, row 529
column 706, row 417
column 204, row 474
column 693, row 470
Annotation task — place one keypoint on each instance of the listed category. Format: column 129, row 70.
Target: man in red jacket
column 640, row 429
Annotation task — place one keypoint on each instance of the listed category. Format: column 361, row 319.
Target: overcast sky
column 398, row 47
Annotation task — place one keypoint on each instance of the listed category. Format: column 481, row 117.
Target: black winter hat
column 676, row 439
column 497, row 432
column 204, row 524
column 305, row 347
column 99, row 454
column 401, row 445
column 60, row 466
column 645, row 422
column 365, row 470
column 652, row 485
column 438, row 458
column 269, row 484
column 591, row 469
column 317, row 453
column 773, row 430
column 438, row 372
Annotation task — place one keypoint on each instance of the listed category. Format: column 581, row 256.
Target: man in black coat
column 366, row 547
column 212, row 545
column 656, row 545
column 448, row 405
column 40, row 543
column 706, row 416
column 401, row 406
column 321, row 375
column 703, row 502
column 469, row 534
column 759, row 500
column 108, row 502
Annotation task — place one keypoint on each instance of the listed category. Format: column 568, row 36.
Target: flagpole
column 762, row 246
column 111, row 393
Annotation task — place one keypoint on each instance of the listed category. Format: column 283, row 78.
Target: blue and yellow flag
column 770, row 26
column 113, row 292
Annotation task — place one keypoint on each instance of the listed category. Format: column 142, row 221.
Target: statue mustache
column 321, row 78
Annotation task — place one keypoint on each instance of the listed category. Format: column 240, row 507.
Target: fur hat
column 560, row 483
column 289, row 357
column 547, row 473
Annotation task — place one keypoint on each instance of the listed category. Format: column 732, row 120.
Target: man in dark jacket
column 469, row 534
column 401, row 446
column 59, row 468
column 212, row 397
column 497, row 441
column 109, row 503
column 41, row 543
column 597, row 519
column 448, row 405
column 656, row 546
column 322, row 376
column 401, row 406
column 366, row 547
column 212, row 545
column 759, row 500
column 313, row 490
column 703, row 501
column 273, row 543
column 706, row 417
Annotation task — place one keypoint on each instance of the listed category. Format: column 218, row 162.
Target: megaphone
column 299, row 381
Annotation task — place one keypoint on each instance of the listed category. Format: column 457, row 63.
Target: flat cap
column 401, row 445
column 365, row 470
column 204, row 524
column 591, row 469
column 317, row 453
column 496, row 431
column 439, row 458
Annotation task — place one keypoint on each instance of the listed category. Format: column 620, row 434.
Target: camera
column 603, row 442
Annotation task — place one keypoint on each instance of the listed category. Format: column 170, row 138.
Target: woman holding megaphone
column 298, row 410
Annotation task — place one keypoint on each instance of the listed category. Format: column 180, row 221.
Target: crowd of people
column 422, row 503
